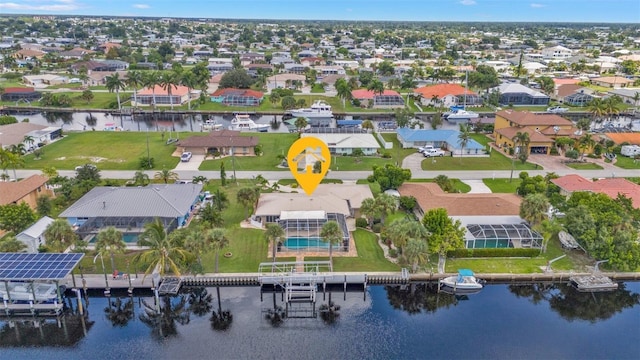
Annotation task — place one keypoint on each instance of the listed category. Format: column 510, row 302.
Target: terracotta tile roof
column 619, row 138
column 20, row 90
column 565, row 81
column 525, row 118
column 369, row 94
column 442, row 90
column 568, row 89
column 223, row 138
column 430, row 196
column 175, row 91
column 613, row 80
column 11, row 192
column 238, row 92
column 534, row 136
column 609, row 187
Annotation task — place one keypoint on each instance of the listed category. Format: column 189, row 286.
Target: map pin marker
column 309, row 160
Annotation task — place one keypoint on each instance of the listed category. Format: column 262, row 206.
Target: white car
column 422, row 149
column 433, row 153
column 185, row 157
column 557, row 110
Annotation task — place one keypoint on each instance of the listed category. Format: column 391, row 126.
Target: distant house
column 75, row 53
column 44, row 80
column 388, row 99
column 629, row 96
column 447, row 95
column 237, row 97
column 14, row 134
column 295, row 68
column 33, row 236
column 129, row 209
column 556, row 53
column 179, row 95
column 99, row 65
column 613, row 187
column 18, row 93
column 611, row 81
column 28, row 54
column 517, row 94
column 345, row 144
column 580, row 96
column 26, row 190
column 446, row 139
column 225, row 142
column 542, row 129
column 283, row 80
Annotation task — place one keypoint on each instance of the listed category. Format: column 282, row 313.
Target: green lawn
column 458, row 185
column 584, row 166
column 503, row 185
column 495, row 161
column 627, row 162
column 370, row 256
column 108, row 150
column 273, row 145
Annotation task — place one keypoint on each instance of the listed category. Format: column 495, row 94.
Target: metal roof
column 21, row 266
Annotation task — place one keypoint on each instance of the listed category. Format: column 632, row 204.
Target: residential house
column 75, row 53
column 33, row 237
column 99, row 65
column 446, row 139
column 237, row 97
column 19, row 93
column 295, row 68
column 44, row 80
column 179, row 96
column 345, row 144
column 325, row 70
column 629, row 96
column 224, row 142
column 556, row 53
column 14, row 134
column 283, row 80
column 388, row 99
column 27, row 54
column 612, row 187
column 611, row 81
column 311, row 61
column 446, row 95
column 517, row 94
column 26, row 190
column 578, row 97
column 129, row 209
column 542, row 129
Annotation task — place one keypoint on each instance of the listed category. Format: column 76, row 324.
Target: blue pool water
column 128, row 238
column 303, row 243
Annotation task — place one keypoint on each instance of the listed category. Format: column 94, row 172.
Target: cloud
column 535, row 5
column 44, row 5
column 468, row 2
column 141, row 6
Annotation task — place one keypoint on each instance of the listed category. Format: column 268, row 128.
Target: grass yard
column 627, row 162
column 584, row 166
column 108, row 150
column 273, row 145
column 458, row 185
column 495, row 161
column 503, row 185
column 370, row 256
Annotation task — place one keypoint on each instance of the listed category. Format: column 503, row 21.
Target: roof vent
column 104, row 204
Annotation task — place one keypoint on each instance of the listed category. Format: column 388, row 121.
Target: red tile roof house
column 447, row 95
column 225, row 142
column 20, row 93
column 237, row 97
column 388, row 99
column 179, row 96
column 613, row 187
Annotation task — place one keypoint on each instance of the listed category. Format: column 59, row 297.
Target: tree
column 135, row 79
column 389, row 176
column 195, row 243
column 11, row 244
column 300, row 124
column 236, row 78
column 463, row 138
column 247, row 197
column 288, row 102
column 87, row 95
column 211, row 216
column 166, row 175
column 332, row 234
column 16, row 217
column 367, row 125
column 217, row 240
column 223, row 174
column 586, row 142
column 376, row 86
column 445, row 234
column 274, row 98
column 109, row 240
column 534, row 209
column 547, row 85
column 114, row 83
column 403, row 116
column 151, row 79
column 369, row 209
column 164, row 253
column 401, row 231
column 60, row 235
column 273, row 235
column 416, row 253
column 484, row 77
column 43, row 205
column 10, row 159
column 386, row 204
column 169, row 81
column 343, row 90
column 140, row 178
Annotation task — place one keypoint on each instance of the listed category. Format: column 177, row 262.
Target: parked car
column 185, row 157
column 557, row 110
column 433, row 153
column 422, row 149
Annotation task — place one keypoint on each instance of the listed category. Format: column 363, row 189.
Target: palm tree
column 521, row 141
column 332, row 234
column 162, row 318
column 597, row 108
column 10, row 159
column 150, row 80
column 247, row 197
column 195, row 243
column 220, row 200
column 343, row 90
column 200, row 301
column 400, row 231
column 585, row 143
column 135, row 79
column 109, row 240
column 463, row 138
column 166, row 175
column 300, row 124
column 168, row 81
column 273, row 235
column 369, row 209
column 534, row 208
column 164, row 253
column 217, row 240
column 416, row 253
column 9, row 243
column 210, row 216
column 188, row 79
column 376, row 86
column 386, row 204
column 611, row 106
column 59, row 235
column 140, row 178
column 220, row 320
column 29, row 140
column 114, row 83
column 548, row 228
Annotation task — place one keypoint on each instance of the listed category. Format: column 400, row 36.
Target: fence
column 385, row 144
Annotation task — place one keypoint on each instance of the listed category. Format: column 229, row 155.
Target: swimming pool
column 128, row 238
column 304, row 243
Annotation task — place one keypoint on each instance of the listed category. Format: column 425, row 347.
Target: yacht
column 242, row 122
column 319, row 109
column 461, row 115
column 465, row 280
column 23, row 291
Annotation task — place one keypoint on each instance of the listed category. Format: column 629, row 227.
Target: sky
column 612, row 11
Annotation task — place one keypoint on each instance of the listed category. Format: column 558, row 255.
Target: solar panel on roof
column 18, row 266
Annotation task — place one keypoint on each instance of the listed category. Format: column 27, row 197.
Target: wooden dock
column 593, row 282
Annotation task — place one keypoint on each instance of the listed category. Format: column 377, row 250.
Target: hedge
column 497, row 252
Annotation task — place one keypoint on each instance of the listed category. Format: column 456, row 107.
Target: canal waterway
column 537, row 321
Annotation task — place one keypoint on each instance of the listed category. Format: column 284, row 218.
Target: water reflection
column 200, row 301
column 221, row 320
column 66, row 331
column 164, row 317
column 119, row 312
column 417, row 298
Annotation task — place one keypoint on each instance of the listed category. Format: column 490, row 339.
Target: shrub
column 386, row 155
column 497, row 252
column 393, row 253
column 146, row 163
column 572, row 154
column 361, row 222
column 376, row 228
column 408, row 203
column 554, row 151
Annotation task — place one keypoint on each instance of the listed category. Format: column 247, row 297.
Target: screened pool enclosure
column 302, row 231
column 480, row 236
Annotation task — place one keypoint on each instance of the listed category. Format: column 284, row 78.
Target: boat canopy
column 465, row 272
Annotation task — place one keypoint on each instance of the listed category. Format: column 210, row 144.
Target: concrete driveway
column 191, row 165
column 413, row 162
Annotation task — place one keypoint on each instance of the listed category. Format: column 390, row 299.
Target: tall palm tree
column 521, row 141
column 376, row 86
column 369, row 208
column 597, row 108
column 463, row 138
column 10, row 159
column 343, row 90
column 188, row 79
column 416, row 253
column 166, row 175
column 168, row 81
column 332, row 234
column 273, row 235
column 59, row 235
column 400, row 231
column 210, row 216
column 247, row 197
column 151, row 79
column 217, row 240
column 585, row 143
column 135, row 79
column 195, row 243
column 29, row 140
column 115, row 83
column 109, row 240
column 386, row 204
column 164, row 253
column 611, row 106
column 534, row 208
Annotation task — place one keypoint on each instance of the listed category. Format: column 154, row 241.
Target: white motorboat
column 461, row 115
column 319, row 109
column 211, row 125
column 22, row 291
column 242, row 122
column 465, row 280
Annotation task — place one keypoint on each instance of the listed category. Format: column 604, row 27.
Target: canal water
column 538, row 321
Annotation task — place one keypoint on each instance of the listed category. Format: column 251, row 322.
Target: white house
column 345, row 144
column 556, row 53
column 33, row 236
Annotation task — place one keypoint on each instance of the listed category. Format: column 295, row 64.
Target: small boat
column 465, row 280
column 242, row 122
column 211, row 124
column 319, row 109
column 461, row 115
column 23, row 291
